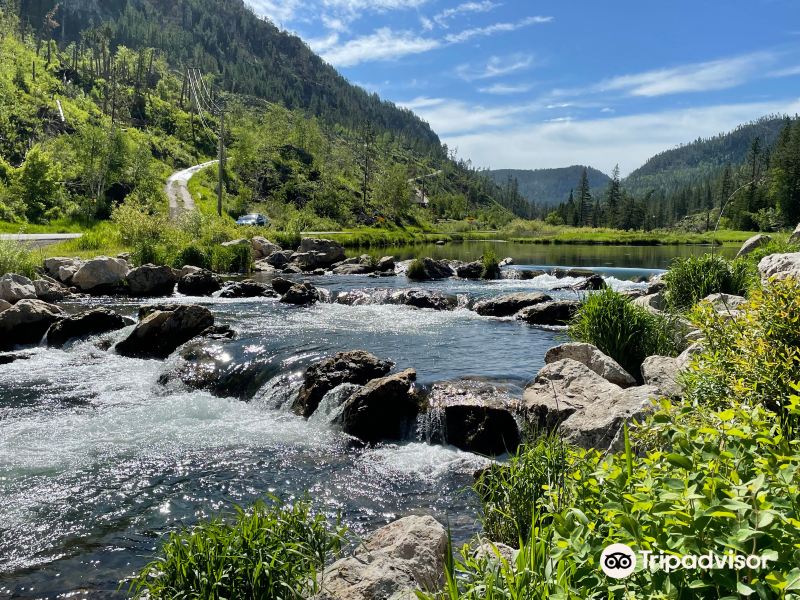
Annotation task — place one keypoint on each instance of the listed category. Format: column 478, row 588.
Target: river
column 98, row 460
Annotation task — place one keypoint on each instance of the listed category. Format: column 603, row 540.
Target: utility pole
column 221, row 163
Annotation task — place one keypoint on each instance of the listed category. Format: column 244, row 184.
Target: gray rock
column 281, row 285
column 52, row 266
column 592, row 283
column 4, row 305
column 780, row 266
column 592, row 357
column 557, row 312
column 199, row 283
column 85, row 324
column 162, row 329
column 277, row 260
column 435, row 269
column 101, row 275
column 472, row 270
column 393, row 563
column 232, row 243
column 14, row 288
column 663, row 373
column 726, row 304
column 356, row 367
column 262, row 247
column 151, row 280
column 476, row 417
column 795, row 237
column 510, row 304
column 247, row 289
column 189, row 270
column 493, row 552
column 301, row 294
column 67, row 272
column 50, row 291
column 656, row 285
column 386, row 264
column 424, row 299
column 26, row 322
column 354, row 269
column 317, row 253
column 383, row 410
column 654, row 303
column 753, row 244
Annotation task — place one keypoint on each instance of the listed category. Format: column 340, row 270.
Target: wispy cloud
column 383, row 44
column 442, row 19
column 502, row 89
column 456, row 116
column 787, row 72
column 278, row 11
column 468, row 34
column 496, row 66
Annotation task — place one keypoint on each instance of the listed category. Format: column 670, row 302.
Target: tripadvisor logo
column 618, row 561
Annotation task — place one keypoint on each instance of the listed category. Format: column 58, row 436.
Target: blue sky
column 535, row 84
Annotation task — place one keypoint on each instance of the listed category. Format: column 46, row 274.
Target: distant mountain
column 702, row 159
column 548, row 187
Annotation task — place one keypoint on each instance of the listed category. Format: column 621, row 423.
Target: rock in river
column 301, row 294
column 557, row 312
column 164, row 328
column 199, row 283
column 424, row 299
column 14, row 288
column 101, row 275
column 26, row 322
column 358, row 367
column 85, row 324
column 150, row 280
column 510, row 304
column 247, row 289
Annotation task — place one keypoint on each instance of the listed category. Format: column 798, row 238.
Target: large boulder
column 262, row 247
column 386, row 264
column 780, row 266
column 279, row 259
column 50, row 291
column 356, row 367
column 424, row 299
column 795, row 237
column 475, row 417
column 726, row 304
column 101, row 275
column 393, row 563
column 434, row 269
column 26, row 322
column 555, row 313
column 592, row 357
column 510, row 304
column 663, row 373
column 14, row 288
column 653, row 303
column 383, row 410
column 151, row 280
column 318, row 253
column 247, row 289
column 4, row 305
column 53, row 266
column 354, row 269
column 164, row 328
column 301, row 294
column 282, row 285
column 753, row 244
column 473, row 270
column 199, row 283
column 592, row 283
column 85, row 324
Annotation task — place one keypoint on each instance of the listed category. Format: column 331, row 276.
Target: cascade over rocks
column 383, row 410
column 557, row 312
column 424, row 299
column 26, row 322
column 247, row 289
column 14, row 288
column 477, row 417
column 357, row 367
column 592, row 357
column 101, row 275
column 392, row 563
column 151, row 280
column 510, row 304
column 163, row 328
column 84, row 324
column 201, row 282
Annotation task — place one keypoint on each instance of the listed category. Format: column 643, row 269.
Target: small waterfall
column 330, row 407
column 432, row 425
column 280, row 392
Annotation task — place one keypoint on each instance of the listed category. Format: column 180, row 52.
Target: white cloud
column 383, row 44
column 320, row 45
column 495, row 67
column 468, row 34
column 456, row 117
column 443, row 17
column 787, row 72
column 602, row 142
column 699, row 77
column 278, row 11
column 502, row 89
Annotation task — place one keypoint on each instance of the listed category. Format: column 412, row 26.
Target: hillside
column 694, row 162
column 548, row 187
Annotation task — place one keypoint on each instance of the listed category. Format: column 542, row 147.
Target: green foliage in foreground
column 689, row 280
column 491, row 266
column 703, row 475
column 416, row 270
column 18, row 258
column 624, row 331
column 267, row 552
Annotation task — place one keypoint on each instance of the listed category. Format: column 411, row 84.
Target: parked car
column 255, row 219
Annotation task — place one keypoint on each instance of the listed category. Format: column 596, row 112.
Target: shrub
column 194, row 256
column 103, row 237
column 232, row 259
column 689, row 280
column 269, row 551
column 624, row 331
column 416, row 270
column 491, row 266
column 18, row 258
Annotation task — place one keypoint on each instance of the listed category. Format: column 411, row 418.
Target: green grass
column 689, row 280
column 19, row 258
column 269, row 551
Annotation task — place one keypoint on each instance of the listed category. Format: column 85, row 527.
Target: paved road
column 177, row 190
column 39, row 239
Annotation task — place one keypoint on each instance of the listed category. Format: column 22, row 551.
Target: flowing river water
column 98, row 460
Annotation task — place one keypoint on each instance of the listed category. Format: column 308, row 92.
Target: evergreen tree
column 613, row 195
column 584, row 200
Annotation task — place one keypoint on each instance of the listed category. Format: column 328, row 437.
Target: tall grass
column 689, row 280
column 491, row 266
column 16, row 257
column 270, row 551
column 624, row 331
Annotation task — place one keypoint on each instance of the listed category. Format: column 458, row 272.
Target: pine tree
column 613, row 195
column 584, row 200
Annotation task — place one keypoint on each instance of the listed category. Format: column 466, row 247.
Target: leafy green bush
column 755, row 354
column 232, row 259
column 194, row 256
column 416, row 270
column 491, row 266
column 624, row 331
column 689, row 280
column 103, row 237
column 18, row 258
column 267, row 552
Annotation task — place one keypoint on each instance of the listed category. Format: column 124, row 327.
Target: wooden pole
column 221, row 159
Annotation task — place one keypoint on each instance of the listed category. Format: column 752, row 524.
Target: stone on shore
column 592, row 357
column 14, row 288
column 49, row 290
column 317, row 253
column 53, row 266
column 4, row 305
column 510, row 304
column 780, row 266
column 101, row 275
column 164, row 328
column 26, row 322
column 753, row 244
column 262, row 247
column 91, row 322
